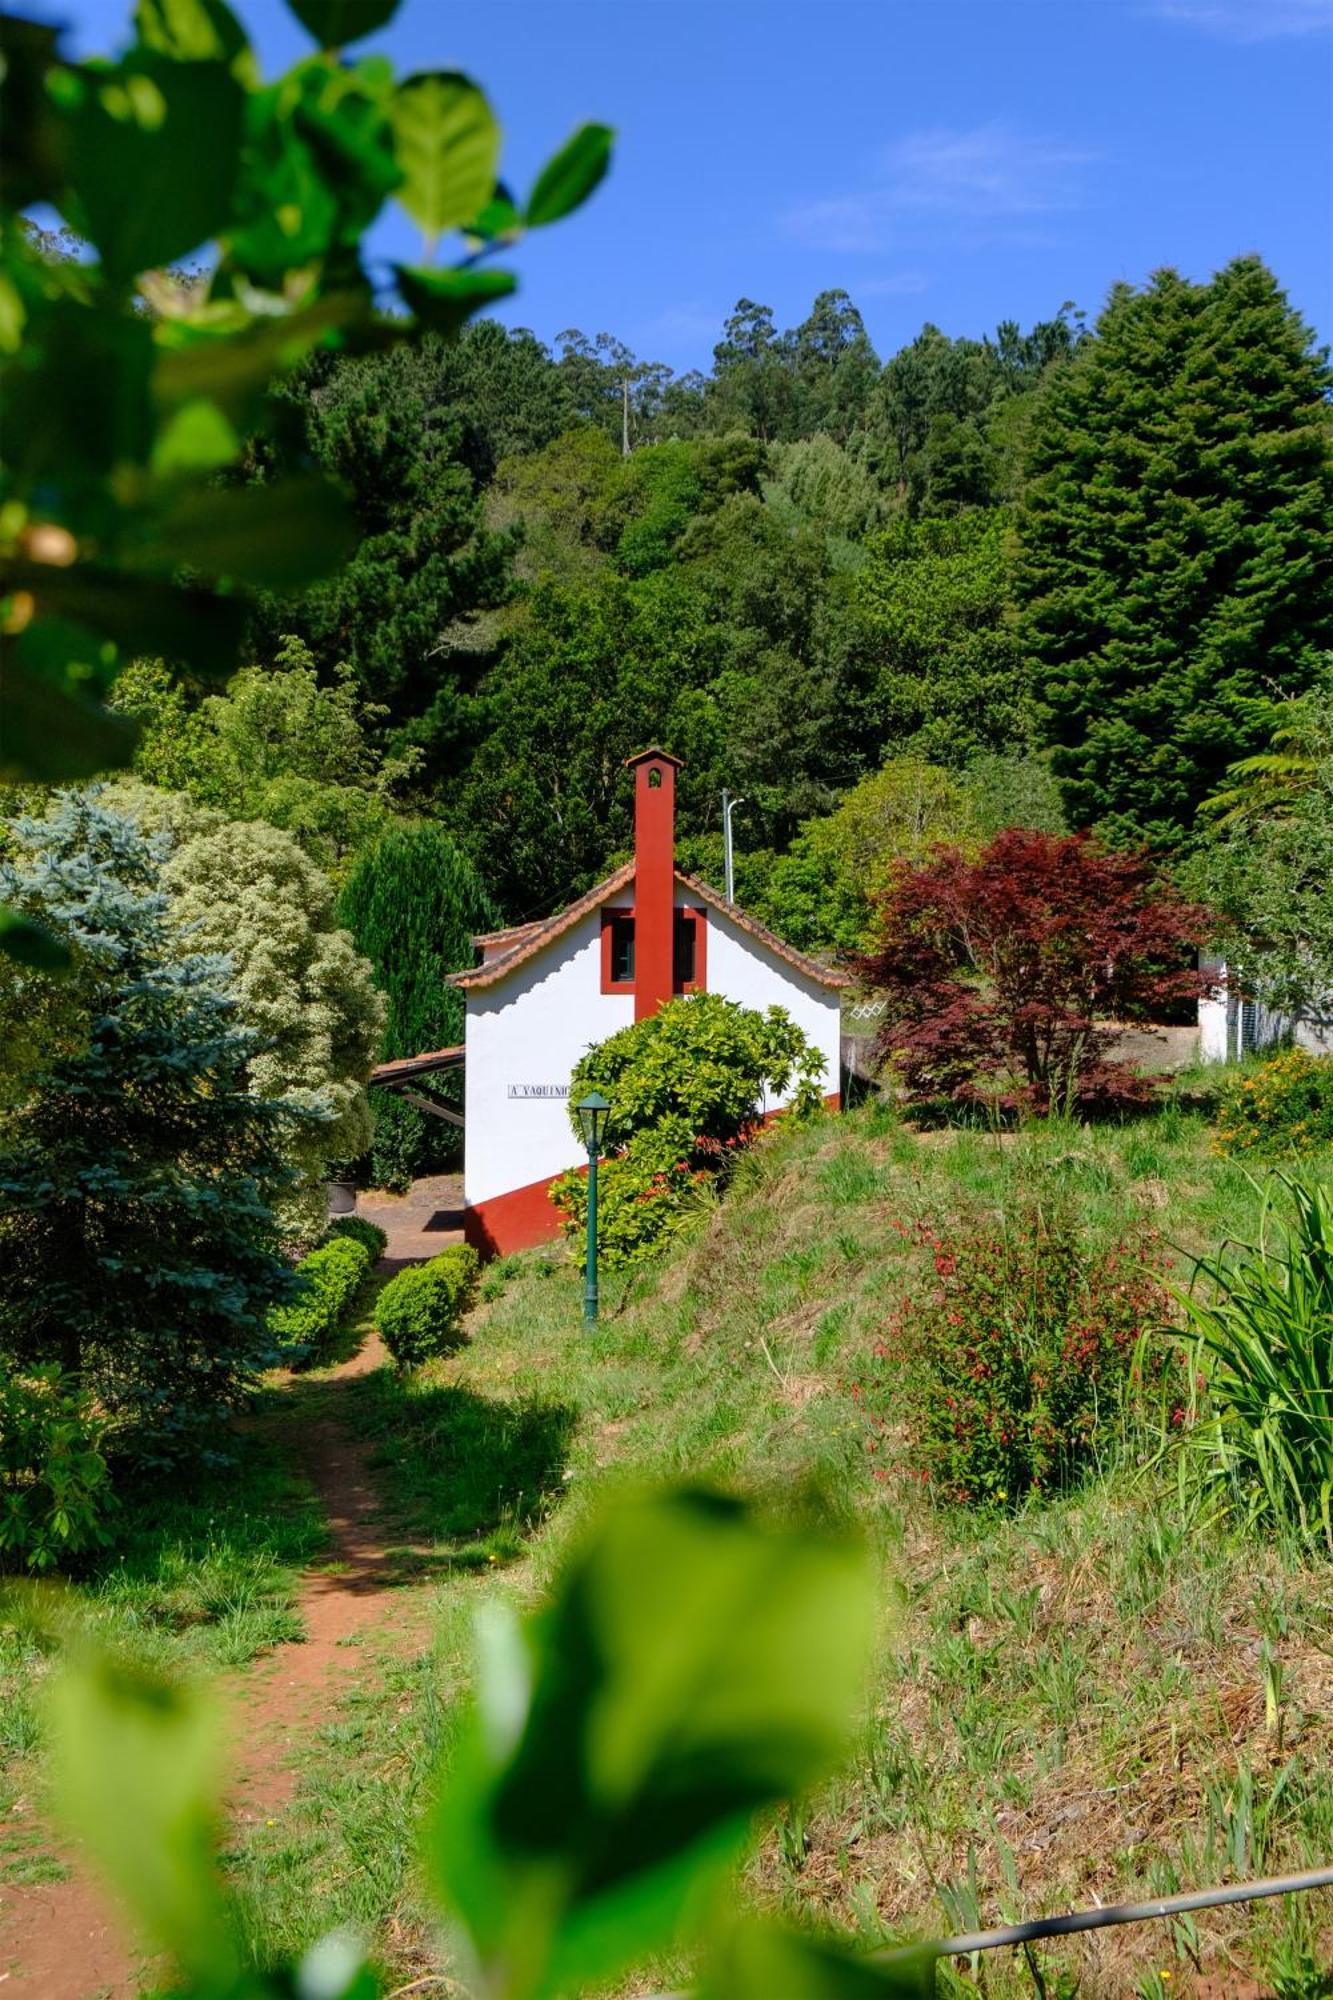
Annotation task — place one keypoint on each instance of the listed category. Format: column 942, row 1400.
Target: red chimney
column 654, row 878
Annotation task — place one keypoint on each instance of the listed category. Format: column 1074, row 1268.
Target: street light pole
column 592, row 1111
column 729, row 806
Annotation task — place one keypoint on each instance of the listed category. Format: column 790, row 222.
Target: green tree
column 403, row 612
column 136, row 386
column 821, row 895
column 1177, row 543
column 281, row 745
column 246, row 891
column 413, row 904
column 943, row 666
column 138, row 1247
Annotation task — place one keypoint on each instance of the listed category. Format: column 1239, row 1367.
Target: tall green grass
column 1265, row 1335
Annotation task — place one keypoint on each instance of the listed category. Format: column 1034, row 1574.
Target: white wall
column 1225, row 1034
column 532, row 1027
column 740, row 969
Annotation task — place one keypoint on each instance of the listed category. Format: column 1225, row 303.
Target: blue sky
column 962, row 161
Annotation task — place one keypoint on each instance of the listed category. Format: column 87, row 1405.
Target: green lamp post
column 593, row 1112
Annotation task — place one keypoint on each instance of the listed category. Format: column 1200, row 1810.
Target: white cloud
column 992, row 172
column 1250, row 20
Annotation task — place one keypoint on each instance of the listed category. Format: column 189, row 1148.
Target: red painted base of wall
column 515, row 1221
column 527, row 1216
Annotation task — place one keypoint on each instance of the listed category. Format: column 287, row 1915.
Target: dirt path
column 60, row 1940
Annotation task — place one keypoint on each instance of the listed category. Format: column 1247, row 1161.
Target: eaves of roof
column 533, row 938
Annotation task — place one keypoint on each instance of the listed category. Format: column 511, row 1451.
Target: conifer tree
column 137, row 1240
column 1177, row 565
column 413, row 903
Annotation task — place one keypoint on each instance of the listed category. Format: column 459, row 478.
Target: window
column 683, row 954
column 617, row 951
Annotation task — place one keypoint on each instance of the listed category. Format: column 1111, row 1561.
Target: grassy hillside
column 1104, row 1696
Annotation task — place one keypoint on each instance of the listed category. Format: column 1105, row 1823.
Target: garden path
column 62, row 1940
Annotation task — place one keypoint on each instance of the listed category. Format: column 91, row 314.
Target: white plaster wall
column 740, row 969
column 531, row 1029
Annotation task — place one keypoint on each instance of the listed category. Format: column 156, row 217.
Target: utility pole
column 729, row 806
column 624, row 416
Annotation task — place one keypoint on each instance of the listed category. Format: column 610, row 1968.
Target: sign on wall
column 539, row 1090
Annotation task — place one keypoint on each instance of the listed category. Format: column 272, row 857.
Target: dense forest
column 1071, row 570
column 1064, row 578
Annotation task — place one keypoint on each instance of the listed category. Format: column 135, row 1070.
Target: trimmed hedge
column 420, row 1312
column 359, row 1230
column 328, row 1280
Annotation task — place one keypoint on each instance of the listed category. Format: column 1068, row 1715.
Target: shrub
column 328, row 1280
column 1000, row 973
column 1008, row 1371
column 1265, row 1335
column 686, row 1087
column 420, row 1312
column 645, row 1196
column 1285, row 1105
column 358, row 1229
column 54, row 1488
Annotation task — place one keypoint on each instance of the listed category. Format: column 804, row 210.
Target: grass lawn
column 1111, row 1695
column 1107, row 1696
column 200, row 1577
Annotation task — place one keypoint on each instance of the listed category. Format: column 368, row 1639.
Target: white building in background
column 544, row 992
column 1231, row 1026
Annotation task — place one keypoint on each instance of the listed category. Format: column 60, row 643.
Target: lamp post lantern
column 593, row 1112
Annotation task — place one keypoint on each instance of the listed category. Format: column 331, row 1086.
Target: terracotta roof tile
column 529, row 939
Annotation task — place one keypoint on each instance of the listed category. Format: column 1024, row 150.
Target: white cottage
column 544, row 992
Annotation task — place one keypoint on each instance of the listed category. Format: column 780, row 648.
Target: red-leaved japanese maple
column 1002, row 971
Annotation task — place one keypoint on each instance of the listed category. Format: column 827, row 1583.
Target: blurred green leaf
column 31, row 135
column 318, row 162
column 758, row 1962
column 196, row 31
column 195, row 438
column 570, row 176
column 31, row 944
column 447, row 144
column 51, row 729
column 697, row 1664
column 153, row 154
column 231, row 359
column 77, row 406
column 281, row 536
column 195, row 627
column 137, row 1776
column 335, row 23
column 499, row 218
column 443, row 300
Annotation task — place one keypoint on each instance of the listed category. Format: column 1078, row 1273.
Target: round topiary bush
column 420, row 1312
column 358, row 1229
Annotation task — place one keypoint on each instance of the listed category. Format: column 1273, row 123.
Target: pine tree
column 137, row 1240
column 1177, row 565
column 413, row 904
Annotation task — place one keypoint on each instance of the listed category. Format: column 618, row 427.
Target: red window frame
column 692, row 913
column 609, row 918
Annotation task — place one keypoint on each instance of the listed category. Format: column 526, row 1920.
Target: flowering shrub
column 1284, row 1106
column 1008, row 1367
column 54, row 1486
column 686, row 1087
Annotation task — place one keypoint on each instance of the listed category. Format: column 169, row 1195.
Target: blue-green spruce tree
column 137, row 1172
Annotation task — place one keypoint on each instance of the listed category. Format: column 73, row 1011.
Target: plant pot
column 342, row 1197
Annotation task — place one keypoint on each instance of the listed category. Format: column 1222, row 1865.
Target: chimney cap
column 653, row 756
